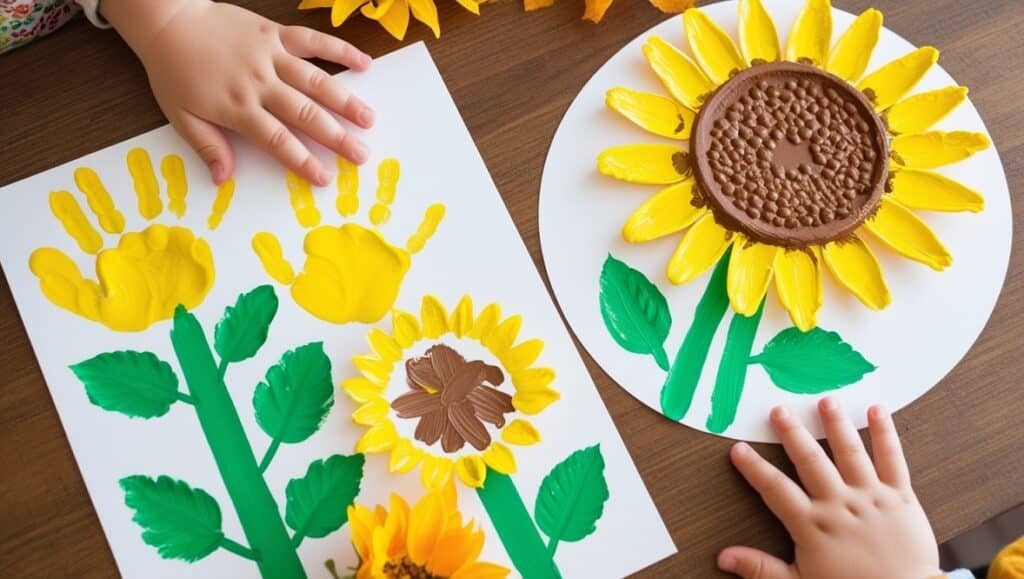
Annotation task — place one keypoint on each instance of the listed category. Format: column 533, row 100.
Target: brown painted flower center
column 453, row 399
column 405, row 569
column 790, row 155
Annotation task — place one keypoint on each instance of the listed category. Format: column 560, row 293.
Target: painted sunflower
column 392, row 15
column 794, row 157
column 594, row 9
column 451, row 403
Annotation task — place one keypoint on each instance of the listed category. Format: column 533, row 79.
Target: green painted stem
column 515, row 528
column 186, row 398
column 681, row 382
column 257, row 511
column 237, row 548
column 552, row 545
column 732, row 370
column 269, row 455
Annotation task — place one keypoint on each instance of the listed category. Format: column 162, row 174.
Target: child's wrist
column 140, row 21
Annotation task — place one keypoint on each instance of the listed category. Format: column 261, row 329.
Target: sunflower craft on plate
column 795, row 156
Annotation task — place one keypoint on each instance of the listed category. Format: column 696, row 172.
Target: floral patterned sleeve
column 22, row 21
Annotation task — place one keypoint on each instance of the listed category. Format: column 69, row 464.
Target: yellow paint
column 434, row 317
column 933, row 192
column 147, row 190
column 683, row 79
column 268, row 249
column 431, row 219
column 701, row 247
column 798, row 282
column 388, row 173
column 348, row 188
column 371, row 412
column 301, row 198
column 471, row 470
column 533, row 379
column 849, row 57
column 711, row 46
column 522, row 355
column 67, row 210
column 462, row 317
column 903, row 231
column 405, row 327
column 750, row 272
column 404, row 456
column 436, row 471
column 666, row 212
column 657, row 114
column 888, row 84
column 520, row 432
column 500, row 339
column 111, row 220
column 221, row 203
column 378, row 438
column 857, row 269
column 486, row 321
column 373, row 368
column 811, row 34
column 937, row 148
column 534, row 401
column 141, row 281
column 500, row 458
column 649, row 164
column 173, row 170
column 917, row 113
column 361, row 390
column 384, row 346
column 758, row 38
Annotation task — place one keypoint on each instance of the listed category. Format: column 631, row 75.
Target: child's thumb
column 754, row 564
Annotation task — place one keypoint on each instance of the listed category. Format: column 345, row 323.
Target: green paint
column 317, row 504
column 732, row 370
column 137, row 384
column 635, row 312
column 681, row 382
column 243, row 329
column 571, row 497
column 811, row 362
column 515, row 528
column 180, row 521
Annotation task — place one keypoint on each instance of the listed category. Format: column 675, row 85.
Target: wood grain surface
column 512, row 75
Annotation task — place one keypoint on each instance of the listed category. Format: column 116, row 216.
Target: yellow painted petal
column 699, row 249
column 594, row 9
column 499, row 340
column 849, row 57
column 500, row 458
column 342, row 9
column 520, row 432
column 66, row 209
column 435, row 319
column 933, row 192
column 462, row 317
column 405, row 327
column 798, row 282
column 758, row 37
column 384, row 345
column 857, row 269
column 533, row 379
column 936, row 148
column 471, row 470
column 750, row 272
column 378, row 438
column 426, row 524
column 681, row 76
column 96, row 194
column 711, row 46
column 534, row 401
column 393, row 16
column 375, row 369
column 302, row 200
column 917, row 113
column 481, row 570
column 486, row 321
column 372, row 412
column 436, row 471
column 659, row 115
column 650, row 163
column 903, row 231
column 362, row 390
column 889, row 84
column 522, row 355
column 668, row 211
column 811, row 34
column 426, row 12
column 404, row 456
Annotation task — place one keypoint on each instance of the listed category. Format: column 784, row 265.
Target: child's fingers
column 886, row 449
column 780, row 494
column 754, row 564
column 264, row 129
column 817, row 473
column 313, row 81
column 303, row 113
column 308, row 43
column 847, row 449
column 209, row 143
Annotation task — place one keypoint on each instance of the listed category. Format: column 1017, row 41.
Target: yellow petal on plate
column 889, row 84
column 533, row 379
column 486, row 321
column 378, row 438
column 903, row 231
column 405, row 327
column 595, row 9
column 371, row 412
column 849, row 57
column 798, row 282
column 811, row 34
column 750, row 272
column 436, row 471
column 758, row 38
column 857, row 269
column 392, row 15
column 435, row 319
column 520, row 432
column 683, row 79
column 522, row 355
column 654, row 113
column 462, row 317
column 933, row 192
column 649, row 164
column 471, row 470
column 534, row 401
column 936, row 148
column 668, row 211
column 384, row 345
column 500, row 458
column 342, row 9
column 375, row 369
column 404, row 456
column 503, row 336
column 917, row 113
column 711, row 46
column 699, row 249
column 672, row 6
column 362, row 390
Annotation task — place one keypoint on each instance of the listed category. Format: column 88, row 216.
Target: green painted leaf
column 137, row 384
column 572, row 496
column 317, row 504
column 180, row 521
column 296, row 395
column 634, row 310
column 243, row 329
column 811, row 362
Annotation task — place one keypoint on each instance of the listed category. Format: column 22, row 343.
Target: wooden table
column 512, row 75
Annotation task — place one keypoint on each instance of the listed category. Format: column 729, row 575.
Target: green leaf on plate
column 243, row 329
column 296, row 395
column 572, row 496
column 137, row 384
column 811, row 362
column 634, row 310
column 180, row 521
column 317, row 504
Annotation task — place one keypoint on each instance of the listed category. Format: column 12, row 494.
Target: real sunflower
column 392, row 15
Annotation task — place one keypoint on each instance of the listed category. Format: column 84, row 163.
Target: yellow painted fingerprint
column 173, row 169
column 268, row 249
column 67, row 210
column 348, row 187
column 388, row 173
column 146, row 188
column 302, row 201
column 221, row 203
column 111, row 220
column 431, row 219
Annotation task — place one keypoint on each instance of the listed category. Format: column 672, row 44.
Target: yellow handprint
column 351, row 273
column 151, row 271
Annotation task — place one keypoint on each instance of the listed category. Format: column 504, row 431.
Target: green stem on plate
column 732, row 370
column 516, row 528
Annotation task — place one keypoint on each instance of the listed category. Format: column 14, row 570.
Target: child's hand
column 214, row 65
column 852, row 518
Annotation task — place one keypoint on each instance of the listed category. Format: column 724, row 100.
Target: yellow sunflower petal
column 750, row 272
column 529, row 5
column 461, row 321
column 903, row 231
column 342, row 9
column 426, row 12
column 371, row 412
column 699, row 249
column 501, row 338
column 471, row 5
column 936, row 148
column 683, row 79
column 595, row 9
column 933, row 192
column 500, row 458
column 404, row 456
column 378, row 438
column 392, row 15
column 397, row 525
column 426, row 524
column 857, row 269
column 471, row 470
column 533, row 379
column 798, row 282
column 436, row 471
column 375, row 369
column 849, row 57
column 486, row 321
column 811, row 34
column 668, row 211
column 521, row 356
column 481, row 570
column 887, row 85
column 672, row 6
column 384, row 345
column 534, row 401
column 520, row 432
column 758, row 37
column 917, row 113
column 362, row 390
column 310, row 4
column 361, row 524
column 659, row 115
column 455, row 549
column 435, row 319
column 711, row 46
column 650, row 164
column 405, row 327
